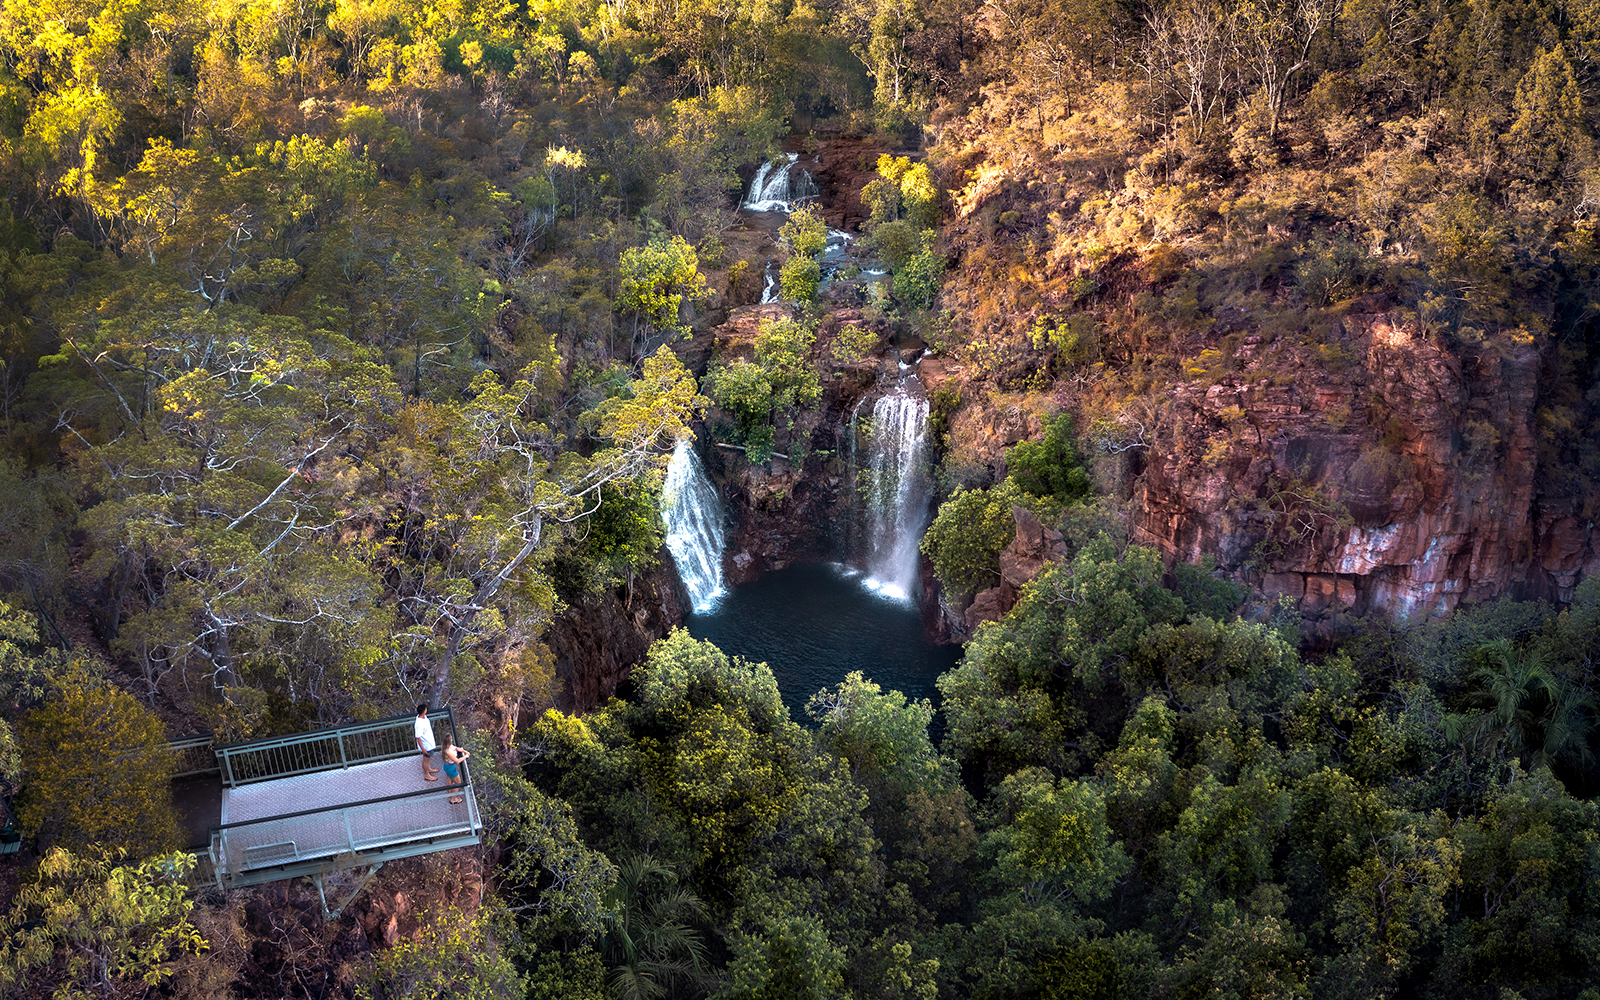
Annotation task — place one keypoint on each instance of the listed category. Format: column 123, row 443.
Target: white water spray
column 693, row 514
column 897, row 493
column 780, row 189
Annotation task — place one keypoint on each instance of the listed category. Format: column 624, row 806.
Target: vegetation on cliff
column 337, row 357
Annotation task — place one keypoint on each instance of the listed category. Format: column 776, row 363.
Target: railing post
column 343, row 761
column 349, row 836
column 218, row 849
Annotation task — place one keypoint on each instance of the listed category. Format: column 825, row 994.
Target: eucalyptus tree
column 484, row 480
column 223, row 500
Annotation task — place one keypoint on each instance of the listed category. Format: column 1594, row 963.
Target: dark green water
column 813, row 624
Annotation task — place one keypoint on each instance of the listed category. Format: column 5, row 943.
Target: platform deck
column 340, row 827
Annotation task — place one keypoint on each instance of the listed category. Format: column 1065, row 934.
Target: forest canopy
column 343, row 344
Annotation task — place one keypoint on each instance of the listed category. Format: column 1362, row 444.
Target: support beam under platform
column 361, row 883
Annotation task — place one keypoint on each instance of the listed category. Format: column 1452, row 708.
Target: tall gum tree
column 536, row 487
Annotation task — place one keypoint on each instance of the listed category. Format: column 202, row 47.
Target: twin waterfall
column 693, row 515
column 895, row 488
column 896, row 493
column 894, row 485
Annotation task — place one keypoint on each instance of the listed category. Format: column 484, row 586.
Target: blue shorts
column 451, row 770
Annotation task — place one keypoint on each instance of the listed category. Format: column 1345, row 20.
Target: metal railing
column 239, row 848
column 193, row 755
column 325, row 750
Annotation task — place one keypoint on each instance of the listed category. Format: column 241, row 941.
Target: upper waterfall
column 780, row 189
column 896, row 493
column 693, row 514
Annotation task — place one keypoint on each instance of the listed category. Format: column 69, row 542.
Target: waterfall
column 897, row 493
column 693, row 514
column 769, row 286
column 779, row 190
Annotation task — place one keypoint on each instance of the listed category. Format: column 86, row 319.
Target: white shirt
column 424, row 729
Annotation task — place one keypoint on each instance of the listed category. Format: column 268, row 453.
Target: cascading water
column 897, row 493
column 693, row 515
column 779, row 190
column 769, row 285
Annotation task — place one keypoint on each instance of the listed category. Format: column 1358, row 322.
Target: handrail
column 191, row 743
column 326, row 731
column 320, row 750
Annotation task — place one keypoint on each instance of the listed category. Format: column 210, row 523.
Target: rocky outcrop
column 1379, row 469
column 802, row 505
column 598, row 638
column 841, row 168
column 1033, row 548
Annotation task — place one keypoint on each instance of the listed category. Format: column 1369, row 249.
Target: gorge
column 993, row 499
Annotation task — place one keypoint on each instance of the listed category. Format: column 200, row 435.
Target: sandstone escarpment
column 1380, row 469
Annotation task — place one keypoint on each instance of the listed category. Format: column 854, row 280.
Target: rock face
column 801, row 505
column 599, row 637
column 1033, row 548
column 1377, row 470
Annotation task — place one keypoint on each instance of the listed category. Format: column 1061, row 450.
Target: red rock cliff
column 1385, row 472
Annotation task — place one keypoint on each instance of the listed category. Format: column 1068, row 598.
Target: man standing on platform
column 425, row 743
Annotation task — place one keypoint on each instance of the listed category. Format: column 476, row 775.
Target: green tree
column 27, row 673
column 93, row 923
column 1394, row 901
column 917, row 281
column 1257, row 953
column 1221, row 845
column 1550, row 128
column 967, row 534
column 783, row 350
column 1527, row 916
column 901, row 190
column 655, row 280
column 99, row 772
column 454, row 954
column 1052, row 843
column 744, row 390
column 804, row 232
column 876, row 731
column 624, row 533
column 512, row 487
column 552, row 880
column 785, row 956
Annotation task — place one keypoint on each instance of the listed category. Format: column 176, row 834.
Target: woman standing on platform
column 453, row 756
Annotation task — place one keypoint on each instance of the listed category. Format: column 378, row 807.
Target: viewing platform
column 309, row 803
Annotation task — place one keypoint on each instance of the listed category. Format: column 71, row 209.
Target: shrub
column 98, row 772
column 895, row 243
column 1049, row 467
column 968, row 533
column 710, row 250
column 805, row 232
column 799, row 278
column 917, row 283
column 853, row 343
